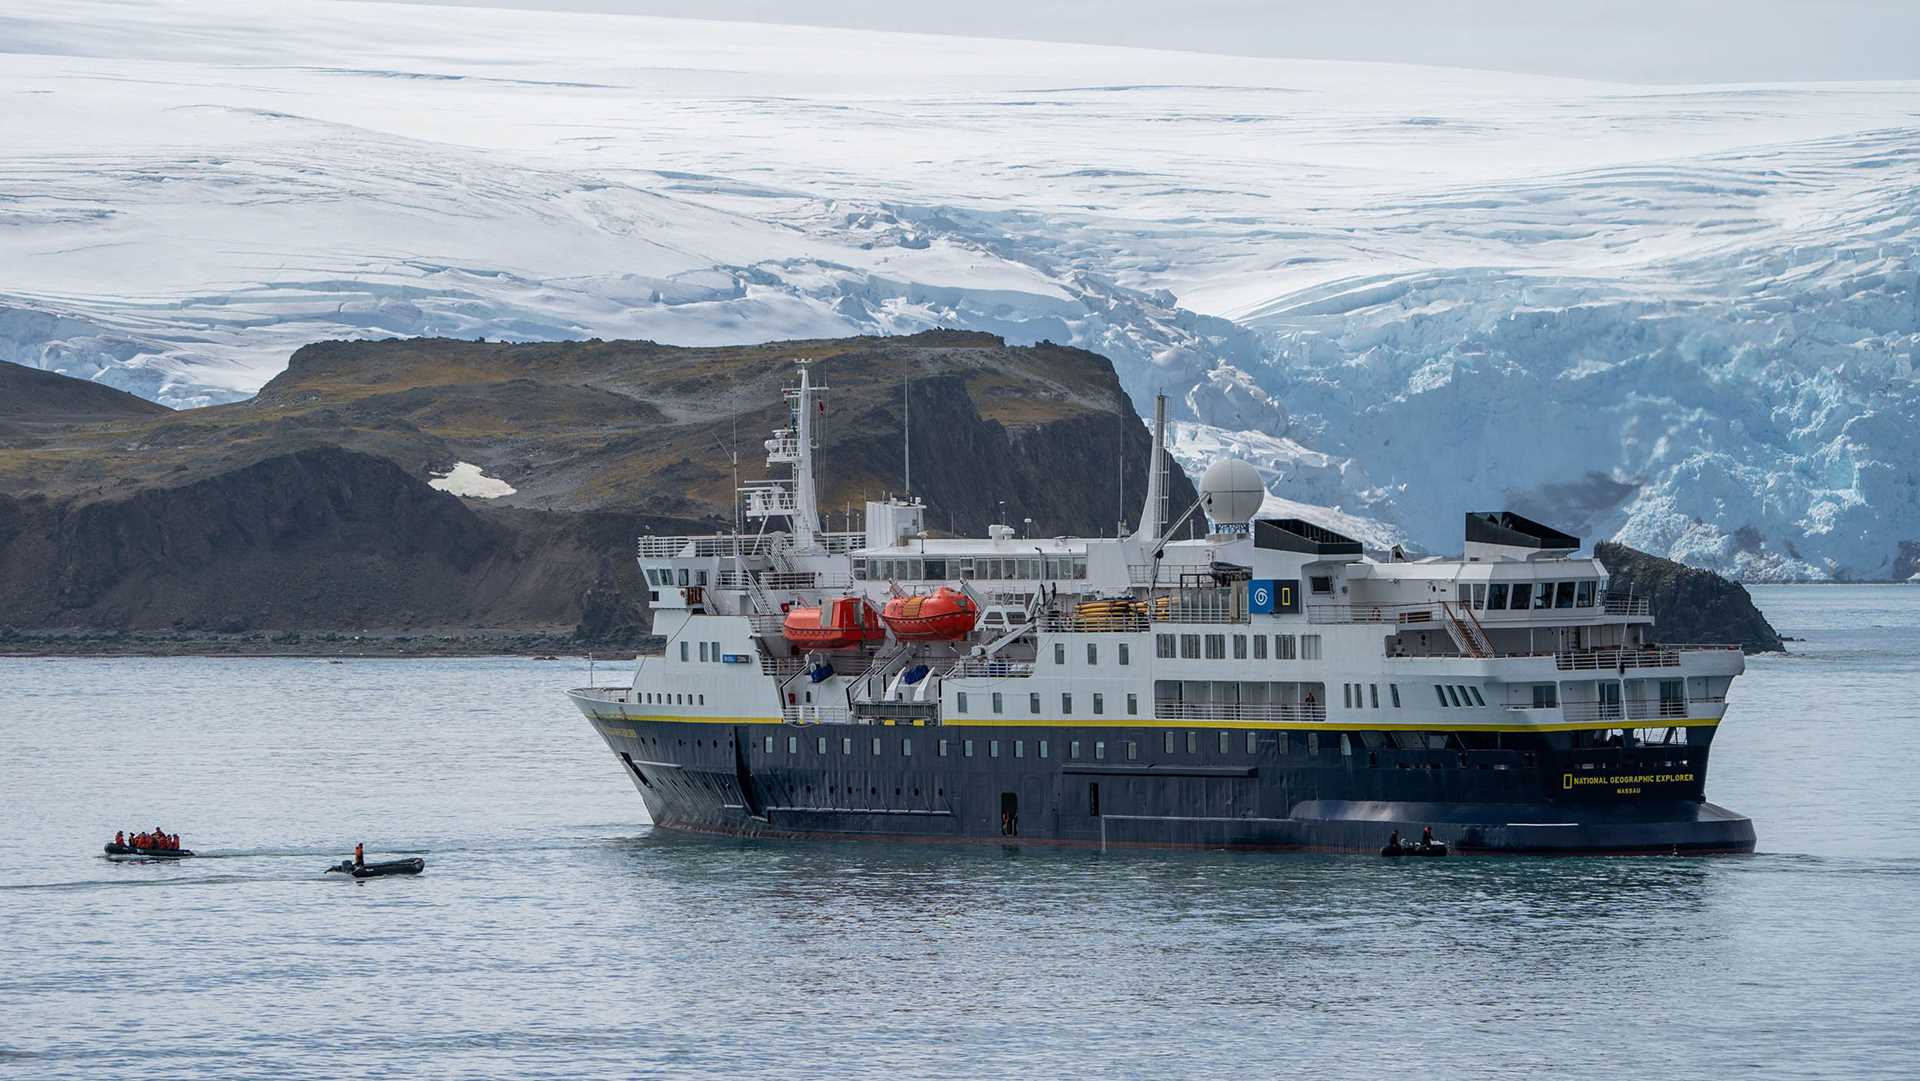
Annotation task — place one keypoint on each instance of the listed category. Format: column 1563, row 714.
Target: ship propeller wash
column 1266, row 686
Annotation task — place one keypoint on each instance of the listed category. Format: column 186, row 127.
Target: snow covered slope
column 1685, row 317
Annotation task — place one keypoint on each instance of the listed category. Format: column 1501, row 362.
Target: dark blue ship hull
column 1220, row 789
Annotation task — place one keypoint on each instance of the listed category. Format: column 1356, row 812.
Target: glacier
column 1683, row 317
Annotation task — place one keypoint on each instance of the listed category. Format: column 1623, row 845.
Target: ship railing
column 1113, row 622
column 616, row 695
column 978, row 668
column 1207, row 711
column 810, row 714
column 1166, row 574
column 781, row 668
column 1373, row 613
column 1602, row 659
column 1710, row 647
column 1624, row 604
column 1635, row 709
column 766, row 625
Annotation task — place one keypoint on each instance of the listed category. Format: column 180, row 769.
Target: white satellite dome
column 1231, row 492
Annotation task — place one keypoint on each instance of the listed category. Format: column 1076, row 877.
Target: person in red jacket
column 359, row 854
column 120, row 838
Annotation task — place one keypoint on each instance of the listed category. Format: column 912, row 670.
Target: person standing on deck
column 359, row 854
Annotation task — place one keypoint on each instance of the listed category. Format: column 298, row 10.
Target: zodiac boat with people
column 1267, row 685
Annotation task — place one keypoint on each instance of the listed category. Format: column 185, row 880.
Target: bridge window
column 1583, row 594
column 1163, row 646
column 1497, row 596
column 1563, row 595
column 1321, row 583
column 1480, row 594
column 1543, row 595
column 1522, row 595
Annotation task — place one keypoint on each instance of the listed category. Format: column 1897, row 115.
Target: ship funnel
column 1153, row 511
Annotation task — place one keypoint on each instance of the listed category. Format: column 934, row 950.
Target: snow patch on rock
column 471, row 481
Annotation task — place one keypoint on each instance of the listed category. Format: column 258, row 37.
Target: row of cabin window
column 1225, row 740
column 1042, row 748
column 1213, row 647
column 1123, row 654
column 998, row 702
column 660, row 577
column 662, row 698
column 1355, row 700
column 709, row 651
column 1458, row 695
column 929, row 568
column 1519, row 596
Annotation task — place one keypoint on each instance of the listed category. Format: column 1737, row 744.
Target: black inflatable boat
column 1432, row 848
column 128, row 852
column 378, row 870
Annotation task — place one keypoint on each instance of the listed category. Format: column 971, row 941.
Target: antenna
column 906, row 424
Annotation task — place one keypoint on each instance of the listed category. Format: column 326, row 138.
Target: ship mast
column 794, row 498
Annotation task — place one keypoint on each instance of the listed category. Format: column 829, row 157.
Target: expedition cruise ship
column 1264, row 686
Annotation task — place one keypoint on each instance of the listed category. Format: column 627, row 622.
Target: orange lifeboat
column 841, row 623
column 939, row 616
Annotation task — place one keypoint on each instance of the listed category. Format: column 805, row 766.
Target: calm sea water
column 555, row 935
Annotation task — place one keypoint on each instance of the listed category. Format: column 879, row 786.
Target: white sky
column 1664, row 41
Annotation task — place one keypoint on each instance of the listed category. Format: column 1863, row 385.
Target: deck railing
column 1209, row 711
column 1424, row 612
column 1635, row 709
column 975, row 668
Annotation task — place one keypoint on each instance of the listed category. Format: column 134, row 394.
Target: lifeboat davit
column 942, row 615
column 841, row 623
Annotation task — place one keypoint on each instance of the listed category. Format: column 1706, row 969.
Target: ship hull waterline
column 1258, row 793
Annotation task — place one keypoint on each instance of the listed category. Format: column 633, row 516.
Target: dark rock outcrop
column 1689, row 605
